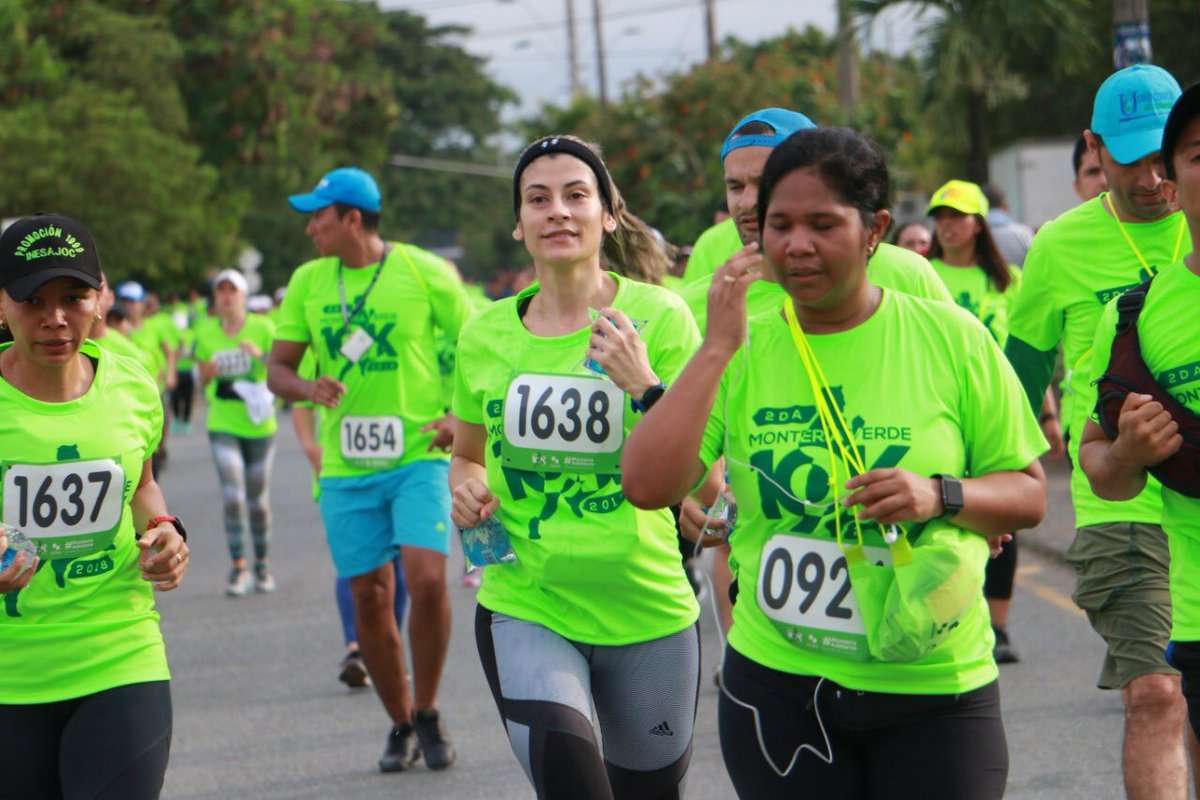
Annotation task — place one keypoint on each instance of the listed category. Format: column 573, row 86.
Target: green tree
column 969, row 64
column 662, row 139
column 87, row 129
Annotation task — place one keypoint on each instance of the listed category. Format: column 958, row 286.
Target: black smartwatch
column 952, row 495
column 643, row 404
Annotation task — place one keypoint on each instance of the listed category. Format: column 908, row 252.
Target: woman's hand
column 727, row 300
column 692, row 520
column 894, row 495
column 19, row 574
column 619, row 348
column 207, row 369
column 251, row 349
column 473, row 502
column 164, row 556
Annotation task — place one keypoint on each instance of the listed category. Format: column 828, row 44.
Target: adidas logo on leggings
column 662, row 729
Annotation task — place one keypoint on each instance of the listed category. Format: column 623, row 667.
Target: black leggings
column 182, row 395
column 112, row 745
column 833, row 743
column 1001, row 573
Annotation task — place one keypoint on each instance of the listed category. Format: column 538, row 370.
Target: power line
column 561, row 23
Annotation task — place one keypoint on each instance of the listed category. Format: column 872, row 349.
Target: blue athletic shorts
column 369, row 517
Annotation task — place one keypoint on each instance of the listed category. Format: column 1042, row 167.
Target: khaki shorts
column 1122, row 582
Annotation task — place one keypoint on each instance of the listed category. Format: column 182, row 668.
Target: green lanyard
column 839, row 441
column 362, row 301
column 1129, row 239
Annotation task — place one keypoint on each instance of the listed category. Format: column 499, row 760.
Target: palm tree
column 968, row 54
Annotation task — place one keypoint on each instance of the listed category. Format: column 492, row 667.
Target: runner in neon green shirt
column 1170, row 347
column 370, row 310
column 1078, row 263
column 967, row 259
column 80, row 645
column 864, row 498
column 743, row 157
column 595, row 611
column 231, row 347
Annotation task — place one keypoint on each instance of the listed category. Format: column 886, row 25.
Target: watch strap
column 154, row 522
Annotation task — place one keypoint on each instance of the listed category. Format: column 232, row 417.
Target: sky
column 525, row 41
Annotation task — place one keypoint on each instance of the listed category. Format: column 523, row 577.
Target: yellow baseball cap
column 962, row 196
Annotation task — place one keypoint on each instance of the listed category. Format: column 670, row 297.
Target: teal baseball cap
column 1131, row 110
column 782, row 121
column 348, row 185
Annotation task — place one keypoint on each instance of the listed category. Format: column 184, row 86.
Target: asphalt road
column 259, row 712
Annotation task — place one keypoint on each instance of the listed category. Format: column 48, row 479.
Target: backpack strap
column 1130, row 304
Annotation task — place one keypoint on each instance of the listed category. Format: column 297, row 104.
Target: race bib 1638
column 571, row 423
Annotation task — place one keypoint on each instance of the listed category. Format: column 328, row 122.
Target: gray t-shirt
column 1012, row 237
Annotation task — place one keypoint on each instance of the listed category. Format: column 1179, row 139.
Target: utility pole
column 572, row 53
column 597, row 13
column 710, row 28
column 1131, row 32
column 847, row 62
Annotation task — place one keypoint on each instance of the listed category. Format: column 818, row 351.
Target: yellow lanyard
column 1134, row 247
column 838, row 434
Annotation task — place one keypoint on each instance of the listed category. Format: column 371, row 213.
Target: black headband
column 560, row 144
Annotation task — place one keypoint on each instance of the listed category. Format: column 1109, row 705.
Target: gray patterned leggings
column 244, row 470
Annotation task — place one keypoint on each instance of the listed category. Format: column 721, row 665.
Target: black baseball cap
column 40, row 248
column 1186, row 107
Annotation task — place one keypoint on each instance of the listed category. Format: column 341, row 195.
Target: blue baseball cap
column 781, row 120
column 1131, row 110
column 349, row 185
column 131, row 291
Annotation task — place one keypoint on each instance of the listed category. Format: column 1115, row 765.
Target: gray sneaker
column 436, row 748
column 264, row 581
column 401, row 751
column 239, row 582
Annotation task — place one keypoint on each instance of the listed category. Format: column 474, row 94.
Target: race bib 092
column 70, row 509
column 372, row 441
column 567, row 423
column 804, row 588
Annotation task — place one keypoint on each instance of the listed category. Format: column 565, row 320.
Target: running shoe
column 436, row 748
column 401, row 751
column 1003, row 652
column 239, row 582
column 354, row 671
column 264, row 581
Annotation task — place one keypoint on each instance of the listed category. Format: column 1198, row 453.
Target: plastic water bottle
column 17, row 543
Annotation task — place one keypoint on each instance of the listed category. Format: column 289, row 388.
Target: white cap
column 234, row 277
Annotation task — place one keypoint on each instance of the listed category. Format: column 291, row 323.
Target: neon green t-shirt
column 973, row 290
column 228, row 414
column 394, row 388
column 87, row 621
column 1076, row 264
column 712, row 249
column 149, row 338
column 1169, row 336
column 924, row 387
column 890, row 267
column 589, row 566
column 116, row 342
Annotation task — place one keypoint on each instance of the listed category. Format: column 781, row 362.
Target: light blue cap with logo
column 782, row 121
column 348, row 185
column 1131, row 111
